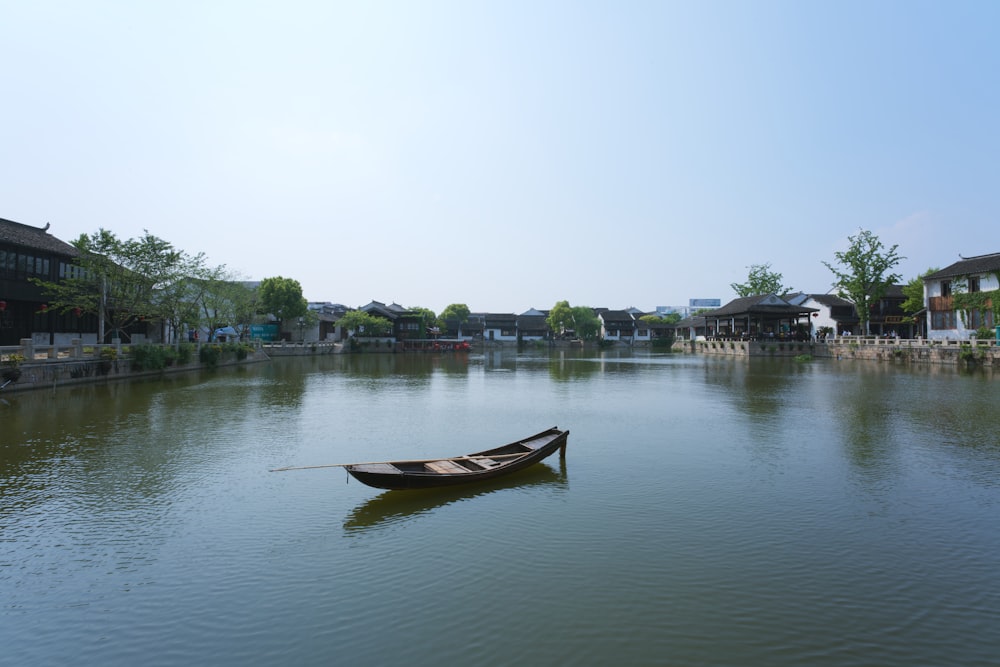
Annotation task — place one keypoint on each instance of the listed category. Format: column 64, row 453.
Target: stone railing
column 31, row 352
column 908, row 342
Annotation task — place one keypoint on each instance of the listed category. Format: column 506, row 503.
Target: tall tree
column 586, row 322
column 178, row 300
column 579, row 319
column 863, row 275
column 122, row 282
column 282, row 297
column 761, row 280
column 560, row 317
column 224, row 301
column 455, row 312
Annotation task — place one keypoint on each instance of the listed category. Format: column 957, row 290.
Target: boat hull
column 400, row 475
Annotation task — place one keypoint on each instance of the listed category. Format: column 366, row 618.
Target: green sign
column 264, row 331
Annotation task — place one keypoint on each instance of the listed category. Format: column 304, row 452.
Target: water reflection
column 411, row 366
column 393, row 507
column 563, row 368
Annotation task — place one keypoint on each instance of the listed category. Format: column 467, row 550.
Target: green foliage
column 152, row 357
column 984, row 302
column 455, row 311
column 864, row 276
column 121, row 281
column 365, row 324
column 761, row 280
column 560, row 317
column 666, row 343
column 802, row 358
column 969, row 354
column 586, row 322
column 149, row 357
column 427, row 316
column 184, row 352
column 13, row 360
column 581, row 320
column 669, row 318
column 223, row 301
column 282, row 297
column 914, row 292
column 209, row 355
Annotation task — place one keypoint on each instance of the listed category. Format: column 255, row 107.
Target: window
column 980, row 318
column 943, row 319
column 974, row 284
column 945, row 288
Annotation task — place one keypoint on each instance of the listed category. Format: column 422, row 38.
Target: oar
column 369, row 463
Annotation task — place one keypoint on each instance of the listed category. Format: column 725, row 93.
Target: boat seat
column 484, row 462
column 445, row 467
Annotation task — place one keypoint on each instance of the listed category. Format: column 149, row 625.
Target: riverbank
column 868, row 348
column 50, row 367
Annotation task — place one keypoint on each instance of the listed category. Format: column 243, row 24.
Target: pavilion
column 758, row 316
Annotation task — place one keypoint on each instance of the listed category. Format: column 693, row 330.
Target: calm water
column 709, row 512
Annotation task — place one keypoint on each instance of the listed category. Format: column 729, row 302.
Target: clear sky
column 508, row 155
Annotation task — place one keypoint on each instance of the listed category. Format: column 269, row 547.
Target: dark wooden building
column 28, row 253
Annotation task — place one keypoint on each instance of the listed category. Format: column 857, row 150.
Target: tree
column 362, row 323
column 455, row 312
column 224, row 301
column 761, row 280
column 179, row 300
column 669, row 318
column 581, row 320
column 585, row 322
column 122, row 282
column 560, row 319
column 282, row 297
column 864, row 276
column 914, row 293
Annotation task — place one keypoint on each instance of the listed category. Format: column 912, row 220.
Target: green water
column 709, row 512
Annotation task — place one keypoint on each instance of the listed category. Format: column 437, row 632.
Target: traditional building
column 960, row 299
column 532, row 325
column 32, row 253
column 759, row 316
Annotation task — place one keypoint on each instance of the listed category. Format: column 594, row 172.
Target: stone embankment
column 869, row 348
column 30, row 366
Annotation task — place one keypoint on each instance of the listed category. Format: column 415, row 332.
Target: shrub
column 209, row 355
column 184, row 353
column 151, row 357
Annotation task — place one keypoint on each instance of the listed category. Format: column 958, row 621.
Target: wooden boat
column 487, row 464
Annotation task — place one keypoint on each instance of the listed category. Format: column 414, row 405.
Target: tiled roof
column 830, row 300
column 616, row 316
column 34, row 238
column 969, row 266
column 759, row 303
